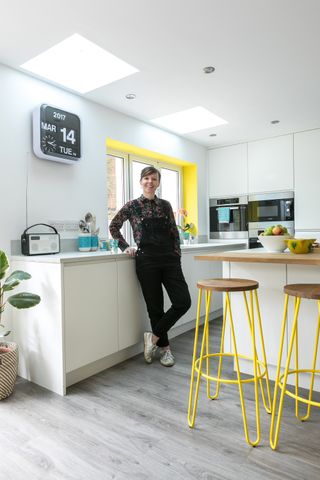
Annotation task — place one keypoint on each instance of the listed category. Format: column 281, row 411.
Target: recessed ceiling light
column 208, row 69
column 131, row 96
column 79, row 64
column 191, row 120
column 212, row 135
column 274, row 122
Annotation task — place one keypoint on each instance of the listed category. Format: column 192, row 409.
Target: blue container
column 84, row 242
column 94, row 242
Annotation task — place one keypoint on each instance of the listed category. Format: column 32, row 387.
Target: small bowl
column 274, row 243
column 300, row 245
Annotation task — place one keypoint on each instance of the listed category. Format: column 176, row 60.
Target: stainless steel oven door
column 228, row 217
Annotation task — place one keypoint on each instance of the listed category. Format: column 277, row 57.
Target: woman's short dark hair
column 150, row 171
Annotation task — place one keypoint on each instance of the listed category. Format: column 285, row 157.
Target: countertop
column 262, row 256
column 68, row 257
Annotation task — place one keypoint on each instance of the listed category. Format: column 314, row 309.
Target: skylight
column 79, row 64
column 191, row 120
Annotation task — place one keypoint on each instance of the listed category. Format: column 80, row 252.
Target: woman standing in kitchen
column 158, row 262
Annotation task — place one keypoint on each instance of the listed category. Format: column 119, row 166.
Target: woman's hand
column 130, row 251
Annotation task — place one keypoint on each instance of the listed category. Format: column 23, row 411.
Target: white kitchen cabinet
column 133, row 316
column 195, row 270
column 90, row 312
column 270, row 164
column 306, row 180
column 271, row 278
column 228, row 172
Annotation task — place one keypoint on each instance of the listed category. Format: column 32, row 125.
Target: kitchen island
column 92, row 314
column 272, row 271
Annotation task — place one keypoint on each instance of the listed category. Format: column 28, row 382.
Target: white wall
column 34, row 190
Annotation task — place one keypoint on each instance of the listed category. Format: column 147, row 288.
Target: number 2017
column 60, row 116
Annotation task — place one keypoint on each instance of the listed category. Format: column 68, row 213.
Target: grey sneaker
column 149, row 347
column 166, row 358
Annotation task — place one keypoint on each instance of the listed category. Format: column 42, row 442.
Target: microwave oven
column 268, row 209
column 271, row 207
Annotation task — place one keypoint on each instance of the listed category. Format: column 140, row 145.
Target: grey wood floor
column 130, row 422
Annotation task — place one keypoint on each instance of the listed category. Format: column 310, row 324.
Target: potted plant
column 9, row 350
column 186, row 228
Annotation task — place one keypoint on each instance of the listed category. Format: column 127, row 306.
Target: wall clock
column 56, row 134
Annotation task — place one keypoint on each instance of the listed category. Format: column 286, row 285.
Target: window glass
column 115, row 185
column 170, row 187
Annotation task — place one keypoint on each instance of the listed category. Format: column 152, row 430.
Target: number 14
column 70, row 137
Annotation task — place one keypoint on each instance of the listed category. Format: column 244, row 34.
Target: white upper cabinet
column 270, row 164
column 228, row 173
column 306, row 180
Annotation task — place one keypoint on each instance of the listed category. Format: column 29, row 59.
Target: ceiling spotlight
column 130, row 96
column 274, row 122
column 208, row 69
column 212, row 135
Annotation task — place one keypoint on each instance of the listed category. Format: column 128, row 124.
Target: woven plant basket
column 8, row 369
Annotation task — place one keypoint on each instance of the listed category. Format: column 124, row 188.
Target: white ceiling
column 266, row 55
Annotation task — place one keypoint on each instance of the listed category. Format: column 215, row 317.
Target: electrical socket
column 64, row 225
column 57, row 224
column 71, row 226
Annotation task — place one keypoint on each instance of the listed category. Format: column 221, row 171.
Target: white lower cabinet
column 132, row 313
column 90, row 312
column 271, row 278
column 92, row 315
column 195, row 270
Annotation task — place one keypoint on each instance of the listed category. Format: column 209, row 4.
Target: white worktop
column 77, row 256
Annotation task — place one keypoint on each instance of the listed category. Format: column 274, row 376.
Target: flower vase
column 186, row 238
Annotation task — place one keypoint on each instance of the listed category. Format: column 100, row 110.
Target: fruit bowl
column 274, row 243
column 300, row 245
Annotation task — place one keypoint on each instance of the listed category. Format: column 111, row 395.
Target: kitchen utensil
column 83, row 226
column 300, row 245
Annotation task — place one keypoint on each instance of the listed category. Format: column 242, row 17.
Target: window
column 123, row 183
column 115, row 184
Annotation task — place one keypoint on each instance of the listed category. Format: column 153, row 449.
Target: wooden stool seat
column 303, row 290
column 228, row 284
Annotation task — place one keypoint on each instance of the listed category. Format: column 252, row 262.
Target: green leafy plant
column 19, row 300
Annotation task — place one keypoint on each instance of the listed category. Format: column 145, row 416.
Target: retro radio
column 40, row 243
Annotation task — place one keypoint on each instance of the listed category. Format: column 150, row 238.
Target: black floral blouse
column 135, row 211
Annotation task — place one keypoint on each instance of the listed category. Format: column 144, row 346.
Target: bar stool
column 259, row 367
column 298, row 291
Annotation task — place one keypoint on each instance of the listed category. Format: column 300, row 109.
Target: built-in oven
column 268, row 209
column 228, row 217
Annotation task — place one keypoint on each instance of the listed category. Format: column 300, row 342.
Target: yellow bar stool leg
column 274, row 436
column 207, row 351
column 194, row 358
column 251, row 320
column 192, row 410
column 243, row 408
column 315, row 352
column 264, row 356
column 216, row 394
column 296, row 365
column 267, row 407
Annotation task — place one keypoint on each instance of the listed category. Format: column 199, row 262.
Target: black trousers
column 155, row 271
